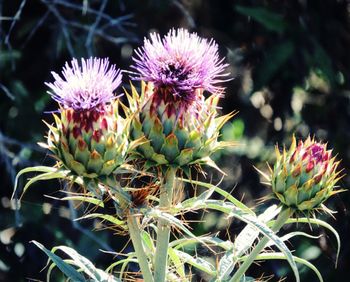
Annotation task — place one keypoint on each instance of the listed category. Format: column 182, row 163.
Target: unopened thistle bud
column 89, row 136
column 181, row 126
column 304, row 176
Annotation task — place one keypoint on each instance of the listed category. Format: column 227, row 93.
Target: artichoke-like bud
column 180, row 126
column 172, row 139
column 89, row 137
column 304, row 176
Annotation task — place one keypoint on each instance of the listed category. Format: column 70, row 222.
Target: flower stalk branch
column 136, row 239
column 163, row 235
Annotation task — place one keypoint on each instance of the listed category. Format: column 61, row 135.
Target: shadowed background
column 290, row 62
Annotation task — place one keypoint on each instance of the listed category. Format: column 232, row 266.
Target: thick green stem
column 280, row 221
column 163, row 233
column 135, row 235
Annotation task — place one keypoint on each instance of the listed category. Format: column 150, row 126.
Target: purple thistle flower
column 181, row 62
column 86, row 86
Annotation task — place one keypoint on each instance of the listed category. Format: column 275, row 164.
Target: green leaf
column 243, row 242
column 83, row 264
column 148, row 242
column 197, row 262
column 194, row 201
column 180, row 269
column 294, row 234
column 44, row 169
column 154, row 213
column 220, row 191
column 274, row 256
column 91, row 200
column 45, row 176
column 78, row 260
column 67, row 269
column 249, row 234
column 106, row 217
column 268, row 19
column 233, row 211
column 212, row 241
column 123, row 261
column 317, row 222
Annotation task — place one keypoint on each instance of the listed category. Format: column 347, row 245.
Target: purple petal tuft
column 182, row 62
column 85, row 86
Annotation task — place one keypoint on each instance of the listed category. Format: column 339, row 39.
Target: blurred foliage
column 291, row 69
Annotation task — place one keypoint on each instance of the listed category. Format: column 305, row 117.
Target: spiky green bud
column 173, row 134
column 90, row 143
column 304, row 176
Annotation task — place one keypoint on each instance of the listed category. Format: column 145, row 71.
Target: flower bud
column 304, row 176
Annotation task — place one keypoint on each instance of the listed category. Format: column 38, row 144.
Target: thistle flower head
column 170, row 139
column 85, row 86
column 90, row 137
column 181, row 62
column 304, row 176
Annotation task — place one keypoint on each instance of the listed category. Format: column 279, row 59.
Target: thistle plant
column 170, row 127
column 180, row 125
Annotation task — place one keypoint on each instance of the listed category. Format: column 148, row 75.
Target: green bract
column 173, row 138
column 90, row 143
column 304, row 176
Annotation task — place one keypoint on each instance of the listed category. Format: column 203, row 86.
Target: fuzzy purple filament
column 85, row 86
column 182, row 62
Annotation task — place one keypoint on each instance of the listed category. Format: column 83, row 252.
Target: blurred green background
column 290, row 61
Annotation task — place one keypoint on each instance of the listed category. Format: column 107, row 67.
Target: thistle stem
column 136, row 239
column 280, row 221
column 163, row 227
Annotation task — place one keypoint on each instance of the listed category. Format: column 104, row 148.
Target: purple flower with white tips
column 85, row 86
column 181, row 62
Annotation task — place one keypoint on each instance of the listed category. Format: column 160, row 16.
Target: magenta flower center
column 317, row 153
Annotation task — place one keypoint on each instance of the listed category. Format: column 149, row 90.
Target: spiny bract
column 90, row 143
column 171, row 139
column 304, row 176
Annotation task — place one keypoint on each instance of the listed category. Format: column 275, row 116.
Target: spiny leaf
column 294, row 234
column 67, row 269
column 107, row 217
column 220, row 191
column 233, row 211
column 317, row 222
column 197, row 262
column 45, row 176
column 243, row 242
column 212, row 241
column 90, row 200
column 83, row 263
column 31, row 169
column 273, row 256
column 122, row 261
column 180, row 269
